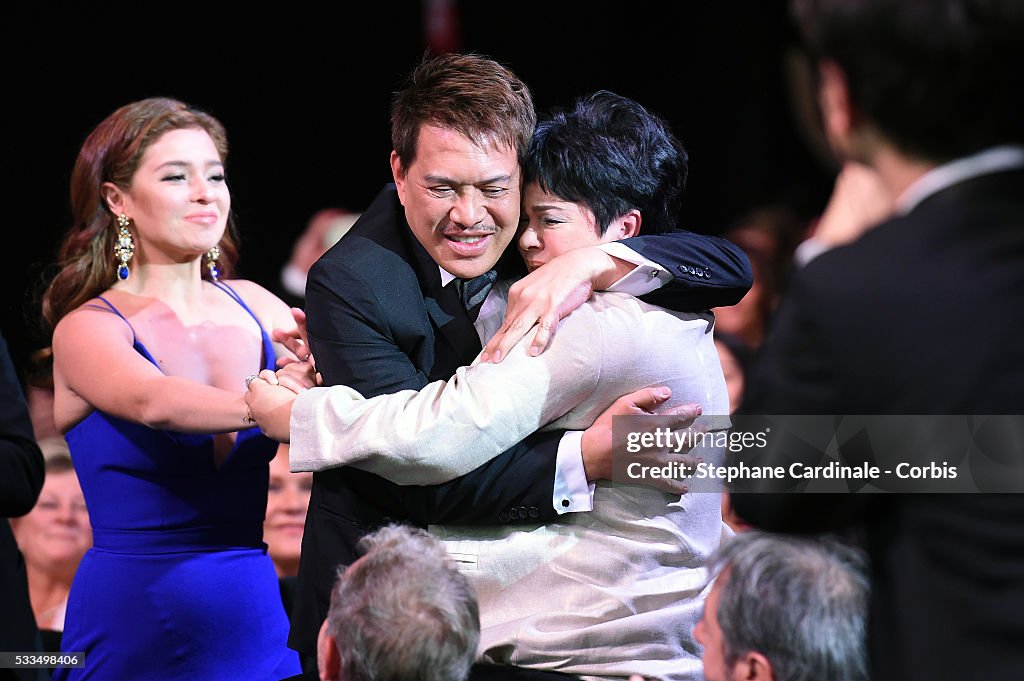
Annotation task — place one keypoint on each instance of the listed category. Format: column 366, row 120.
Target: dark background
column 304, row 94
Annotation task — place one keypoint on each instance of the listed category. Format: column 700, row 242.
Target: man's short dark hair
column 612, row 155
column 800, row 602
column 469, row 93
column 940, row 78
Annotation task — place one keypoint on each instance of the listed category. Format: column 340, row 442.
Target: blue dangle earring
column 211, row 262
column 124, row 247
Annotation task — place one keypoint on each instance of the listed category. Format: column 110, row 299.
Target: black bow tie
column 474, row 291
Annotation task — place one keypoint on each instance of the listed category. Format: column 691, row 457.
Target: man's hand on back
column 598, row 444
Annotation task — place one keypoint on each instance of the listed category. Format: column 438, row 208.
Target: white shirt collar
column 446, row 276
column 492, row 312
column 984, row 162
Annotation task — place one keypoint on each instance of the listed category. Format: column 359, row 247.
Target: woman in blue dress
column 152, row 344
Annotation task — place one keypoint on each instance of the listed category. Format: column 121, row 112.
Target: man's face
column 461, row 200
column 709, row 635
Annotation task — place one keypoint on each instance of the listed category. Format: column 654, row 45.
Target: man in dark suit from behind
column 391, row 307
column 920, row 315
column 21, row 479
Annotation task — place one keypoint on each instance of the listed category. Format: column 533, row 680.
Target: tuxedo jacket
column 919, row 316
column 379, row 321
column 21, row 479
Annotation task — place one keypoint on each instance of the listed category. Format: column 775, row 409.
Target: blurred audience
column 322, row 231
column 776, row 240
column 287, row 501
column 768, row 235
column 785, row 609
column 401, row 611
column 53, row 537
column 39, row 393
column 735, row 356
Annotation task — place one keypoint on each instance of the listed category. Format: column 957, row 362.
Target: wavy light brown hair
column 111, row 153
column 469, row 93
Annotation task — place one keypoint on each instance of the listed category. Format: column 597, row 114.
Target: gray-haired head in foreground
column 800, row 602
column 403, row 611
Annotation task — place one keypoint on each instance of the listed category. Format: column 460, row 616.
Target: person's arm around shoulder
column 678, row 270
column 707, row 271
column 361, row 336
column 448, row 428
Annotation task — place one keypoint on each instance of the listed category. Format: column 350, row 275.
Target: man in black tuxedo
column 21, row 479
column 920, row 315
column 392, row 307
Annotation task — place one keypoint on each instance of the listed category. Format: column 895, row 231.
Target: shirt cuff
column 647, row 276
column 573, row 494
column 809, row 249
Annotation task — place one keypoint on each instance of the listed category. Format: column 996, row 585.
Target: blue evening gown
column 178, row 584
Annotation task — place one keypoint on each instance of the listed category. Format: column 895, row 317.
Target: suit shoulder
column 360, row 258
column 871, row 245
column 379, row 238
column 874, row 257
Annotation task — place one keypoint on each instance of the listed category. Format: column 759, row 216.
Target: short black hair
column 612, row 155
column 940, row 79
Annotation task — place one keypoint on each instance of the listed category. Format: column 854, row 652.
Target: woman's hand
column 548, row 294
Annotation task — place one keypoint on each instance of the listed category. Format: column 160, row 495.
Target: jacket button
column 534, row 512
column 503, row 517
